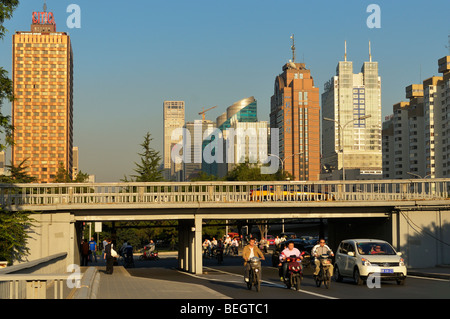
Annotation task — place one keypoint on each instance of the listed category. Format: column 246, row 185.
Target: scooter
column 149, row 255
column 254, row 274
column 294, row 274
column 324, row 272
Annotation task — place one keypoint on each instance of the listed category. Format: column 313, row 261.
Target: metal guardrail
column 226, row 192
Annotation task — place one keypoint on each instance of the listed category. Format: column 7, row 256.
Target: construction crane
column 204, row 111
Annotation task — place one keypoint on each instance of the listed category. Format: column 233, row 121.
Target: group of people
column 214, row 246
column 252, row 250
column 88, row 251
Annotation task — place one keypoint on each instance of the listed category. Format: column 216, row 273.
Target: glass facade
column 244, row 110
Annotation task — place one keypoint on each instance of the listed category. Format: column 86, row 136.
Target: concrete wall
column 52, row 234
column 423, row 237
column 348, row 228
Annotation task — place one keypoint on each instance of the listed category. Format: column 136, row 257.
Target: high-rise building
column 173, row 119
column 420, row 129
column 192, row 164
column 242, row 111
column 295, row 111
column 351, row 124
column 403, row 137
column 42, row 112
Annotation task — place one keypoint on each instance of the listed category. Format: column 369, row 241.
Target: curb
column 89, row 285
column 429, row 275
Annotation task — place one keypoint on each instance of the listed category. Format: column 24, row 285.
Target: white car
column 359, row 258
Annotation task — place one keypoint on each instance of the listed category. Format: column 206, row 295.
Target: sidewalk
column 121, row 285
column 440, row 272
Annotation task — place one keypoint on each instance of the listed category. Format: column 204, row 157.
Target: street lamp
column 282, row 160
column 418, row 176
column 342, row 136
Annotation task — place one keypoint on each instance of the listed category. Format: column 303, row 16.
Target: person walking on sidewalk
column 93, row 250
column 109, row 258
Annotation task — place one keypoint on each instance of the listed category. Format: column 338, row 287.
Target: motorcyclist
column 251, row 250
column 289, row 251
column 321, row 249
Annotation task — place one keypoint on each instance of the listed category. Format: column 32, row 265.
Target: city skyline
column 238, row 55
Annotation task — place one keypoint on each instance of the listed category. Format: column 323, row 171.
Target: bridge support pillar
column 190, row 245
column 53, row 233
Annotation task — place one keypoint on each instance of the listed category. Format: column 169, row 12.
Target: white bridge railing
column 226, row 192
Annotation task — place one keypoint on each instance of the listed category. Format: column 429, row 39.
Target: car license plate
column 387, row 271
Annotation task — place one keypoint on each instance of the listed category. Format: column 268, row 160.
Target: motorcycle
column 254, row 274
column 294, row 274
column 324, row 271
column 153, row 255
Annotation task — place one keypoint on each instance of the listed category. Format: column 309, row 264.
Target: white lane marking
column 427, row 278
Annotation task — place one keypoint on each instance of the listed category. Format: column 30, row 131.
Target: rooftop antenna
column 370, row 53
column 293, row 48
column 448, row 46
column 45, row 5
column 345, row 53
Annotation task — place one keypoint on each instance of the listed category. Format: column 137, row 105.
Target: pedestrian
column 104, row 243
column 93, row 249
column 84, row 252
column 109, row 258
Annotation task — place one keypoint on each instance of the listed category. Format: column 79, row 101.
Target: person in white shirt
column 319, row 250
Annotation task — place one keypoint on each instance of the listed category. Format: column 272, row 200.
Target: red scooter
column 149, row 255
column 294, row 274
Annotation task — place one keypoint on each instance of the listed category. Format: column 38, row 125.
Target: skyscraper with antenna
column 351, row 104
column 295, row 111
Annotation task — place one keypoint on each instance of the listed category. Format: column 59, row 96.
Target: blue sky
column 130, row 56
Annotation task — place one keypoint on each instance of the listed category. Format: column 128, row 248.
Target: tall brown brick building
column 42, row 112
column 295, row 111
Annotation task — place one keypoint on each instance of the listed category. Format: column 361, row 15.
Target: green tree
column 252, row 172
column 148, row 168
column 13, row 225
column 63, row 176
column 7, row 8
column 14, row 228
column 18, row 174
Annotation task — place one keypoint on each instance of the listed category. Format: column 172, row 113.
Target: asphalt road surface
column 227, row 279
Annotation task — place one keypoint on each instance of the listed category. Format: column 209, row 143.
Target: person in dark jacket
column 84, row 252
column 109, row 258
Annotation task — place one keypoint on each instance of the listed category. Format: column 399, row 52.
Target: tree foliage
column 63, row 176
column 14, row 227
column 148, row 168
column 252, row 172
column 7, row 8
column 17, row 174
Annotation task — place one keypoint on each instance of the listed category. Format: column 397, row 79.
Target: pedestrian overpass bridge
column 387, row 209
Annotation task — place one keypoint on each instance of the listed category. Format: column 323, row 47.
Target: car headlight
column 365, row 262
column 402, row 262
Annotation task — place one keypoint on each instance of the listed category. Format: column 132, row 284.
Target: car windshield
column 375, row 248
